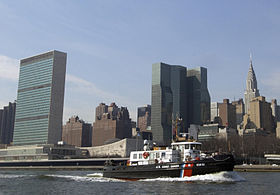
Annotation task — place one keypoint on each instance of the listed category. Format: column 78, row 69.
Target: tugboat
column 182, row 159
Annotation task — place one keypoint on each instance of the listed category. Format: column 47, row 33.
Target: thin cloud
column 91, row 93
column 271, row 85
column 273, row 81
column 9, row 68
column 87, row 87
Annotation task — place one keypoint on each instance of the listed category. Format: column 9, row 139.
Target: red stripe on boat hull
column 188, row 170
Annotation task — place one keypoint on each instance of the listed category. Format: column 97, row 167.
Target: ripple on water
column 95, row 177
column 10, row 176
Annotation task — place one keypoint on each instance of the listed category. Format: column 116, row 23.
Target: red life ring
column 146, row 155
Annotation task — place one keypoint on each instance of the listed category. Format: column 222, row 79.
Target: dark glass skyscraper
column 169, row 100
column 198, row 96
column 7, row 121
column 40, row 99
column 177, row 93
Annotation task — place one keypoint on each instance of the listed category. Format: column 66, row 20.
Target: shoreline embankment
column 70, row 168
column 257, row 168
column 237, row 168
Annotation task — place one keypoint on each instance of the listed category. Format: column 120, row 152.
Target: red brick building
column 113, row 124
column 76, row 132
column 227, row 113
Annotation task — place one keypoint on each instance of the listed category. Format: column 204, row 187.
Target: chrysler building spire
column 251, row 86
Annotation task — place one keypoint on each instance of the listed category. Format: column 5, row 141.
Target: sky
column 112, row 44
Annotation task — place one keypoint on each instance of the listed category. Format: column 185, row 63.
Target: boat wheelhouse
column 178, row 152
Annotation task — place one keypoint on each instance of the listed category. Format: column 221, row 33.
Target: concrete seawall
column 257, row 168
column 70, row 164
column 70, row 168
column 120, row 148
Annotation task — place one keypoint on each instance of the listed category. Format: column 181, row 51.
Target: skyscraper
column 40, row 99
column 7, row 121
column 198, row 96
column 169, row 100
column 251, row 87
column 177, row 93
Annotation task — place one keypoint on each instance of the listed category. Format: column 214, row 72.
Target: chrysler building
column 251, row 87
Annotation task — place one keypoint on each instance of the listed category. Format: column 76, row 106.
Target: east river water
column 90, row 182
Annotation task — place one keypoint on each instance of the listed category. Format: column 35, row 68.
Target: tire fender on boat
column 146, row 155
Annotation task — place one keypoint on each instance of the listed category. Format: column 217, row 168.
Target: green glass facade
column 169, row 100
column 177, row 93
column 40, row 99
column 198, row 97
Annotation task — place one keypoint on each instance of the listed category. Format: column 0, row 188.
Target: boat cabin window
column 195, row 146
column 140, row 156
column 157, row 155
column 134, row 156
column 187, row 146
column 163, row 155
column 181, row 147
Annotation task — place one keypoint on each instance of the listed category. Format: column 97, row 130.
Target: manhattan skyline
column 112, row 45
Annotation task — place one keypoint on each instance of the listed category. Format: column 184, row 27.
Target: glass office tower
column 198, row 96
column 40, row 99
column 7, row 121
column 169, row 100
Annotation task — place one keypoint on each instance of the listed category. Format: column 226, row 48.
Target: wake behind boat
column 183, row 158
